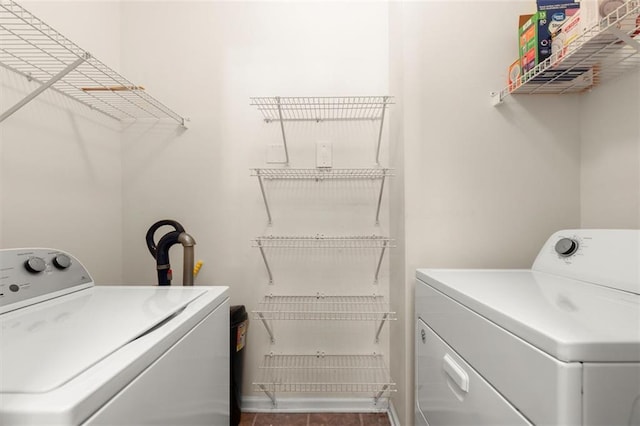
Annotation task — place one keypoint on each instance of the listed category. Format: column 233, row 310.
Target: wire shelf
column 324, row 373
column 321, row 174
column 30, row 47
column 322, row 108
column 345, row 308
column 321, row 241
column 601, row 53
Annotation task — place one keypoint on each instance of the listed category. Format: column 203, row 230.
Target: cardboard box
column 566, row 34
column 513, row 75
column 588, row 18
column 557, row 12
column 593, row 11
column 529, row 40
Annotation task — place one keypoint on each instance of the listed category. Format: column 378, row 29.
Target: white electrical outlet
column 276, row 154
column 324, row 154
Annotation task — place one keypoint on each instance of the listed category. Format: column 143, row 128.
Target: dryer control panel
column 608, row 257
column 32, row 275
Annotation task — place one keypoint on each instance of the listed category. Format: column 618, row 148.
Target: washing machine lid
column 48, row 344
column 570, row 320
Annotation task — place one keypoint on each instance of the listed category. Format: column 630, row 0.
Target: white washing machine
column 74, row 353
column 558, row 344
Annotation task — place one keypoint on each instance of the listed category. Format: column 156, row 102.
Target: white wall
column 60, row 164
column 481, row 187
column 205, row 59
column 610, row 154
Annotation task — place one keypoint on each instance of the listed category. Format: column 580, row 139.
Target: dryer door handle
column 455, row 372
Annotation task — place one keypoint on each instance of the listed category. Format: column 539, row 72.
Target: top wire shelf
column 322, row 108
column 30, row 47
column 603, row 52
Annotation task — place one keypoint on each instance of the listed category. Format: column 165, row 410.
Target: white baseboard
column 393, row 415
column 262, row 404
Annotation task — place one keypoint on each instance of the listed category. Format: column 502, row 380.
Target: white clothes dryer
column 557, row 344
column 73, row 353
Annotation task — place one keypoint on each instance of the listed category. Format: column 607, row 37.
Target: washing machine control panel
column 32, row 275
column 608, row 257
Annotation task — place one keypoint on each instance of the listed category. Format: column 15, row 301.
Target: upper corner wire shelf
column 322, row 108
column 324, row 373
column 31, row 48
column 603, row 52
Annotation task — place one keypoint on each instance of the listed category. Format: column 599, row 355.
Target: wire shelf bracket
column 321, row 373
column 31, row 48
column 319, row 109
column 322, row 308
column 320, row 175
column 323, row 242
column 602, row 52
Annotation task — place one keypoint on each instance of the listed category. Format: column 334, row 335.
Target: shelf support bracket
column 45, row 86
column 384, row 108
column 379, row 394
column 284, row 136
column 384, row 247
column 384, row 318
column 266, row 325
column 380, row 199
column 625, row 37
column 271, row 395
column 264, row 195
column 266, row 262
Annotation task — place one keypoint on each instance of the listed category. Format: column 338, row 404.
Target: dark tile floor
column 315, row 419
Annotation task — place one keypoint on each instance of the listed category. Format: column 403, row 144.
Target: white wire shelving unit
column 320, row 109
column 603, row 52
column 324, row 308
column 31, row 48
column 324, row 373
column 319, row 175
column 322, row 242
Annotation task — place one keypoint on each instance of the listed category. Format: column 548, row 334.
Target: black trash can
column 239, row 321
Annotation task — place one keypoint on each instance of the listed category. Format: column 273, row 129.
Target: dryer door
column 450, row 392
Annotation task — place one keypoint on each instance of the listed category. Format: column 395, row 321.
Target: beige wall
column 60, row 163
column 480, row 187
column 610, row 155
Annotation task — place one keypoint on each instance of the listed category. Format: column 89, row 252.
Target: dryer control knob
column 565, row 247
column 61, row 261
column 35, row 264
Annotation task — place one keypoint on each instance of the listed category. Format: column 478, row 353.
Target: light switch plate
column 324, row 154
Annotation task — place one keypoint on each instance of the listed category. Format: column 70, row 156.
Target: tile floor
column 315, row 419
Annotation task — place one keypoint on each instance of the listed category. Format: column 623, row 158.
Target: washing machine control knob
column 565, row 247
column 62, row 261
column 35, row 264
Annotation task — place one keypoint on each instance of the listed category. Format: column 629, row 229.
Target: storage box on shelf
column 602, row 52
column 33, row 49
column 321, row 373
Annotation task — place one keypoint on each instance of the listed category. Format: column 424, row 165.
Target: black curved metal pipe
column 160, row 251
